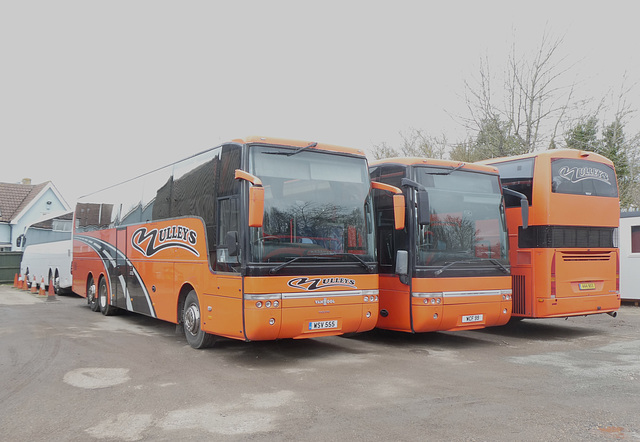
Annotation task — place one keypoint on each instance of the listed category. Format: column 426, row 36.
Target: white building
column 630, row 255
column 22, row 204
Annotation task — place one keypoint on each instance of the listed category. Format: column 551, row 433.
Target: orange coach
column 566, row 263
column 449, row 268
column 256, row 239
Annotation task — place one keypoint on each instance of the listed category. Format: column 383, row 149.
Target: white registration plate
column 472, row 318
column 321, row 325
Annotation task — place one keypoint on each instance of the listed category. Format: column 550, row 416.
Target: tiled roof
column 14, row 197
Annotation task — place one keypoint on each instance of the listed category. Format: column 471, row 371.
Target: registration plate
column 322, row 325
column 587, row 286
column 472, row 318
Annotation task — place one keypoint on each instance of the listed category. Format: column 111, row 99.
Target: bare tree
column 466, row 151
column 478, row 99
column 532, row 107
column 605, row 130
column 415, row 143
column 631, row 194
column 536, row 99
column 383, row 150
column 622, row 149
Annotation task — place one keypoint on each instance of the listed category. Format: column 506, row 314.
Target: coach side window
column 517, row 175
column 227, row 253
column 389, row 239
column 194, row 192
column 227, row 256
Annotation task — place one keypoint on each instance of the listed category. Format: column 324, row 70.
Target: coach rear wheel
column 92, row 298
column 103, row 297
column 191, row 322
column 56, row 283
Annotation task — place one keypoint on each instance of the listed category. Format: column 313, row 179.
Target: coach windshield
column 317, row 209
column 466, row 228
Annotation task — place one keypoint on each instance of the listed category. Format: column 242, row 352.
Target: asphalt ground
column 69, row 374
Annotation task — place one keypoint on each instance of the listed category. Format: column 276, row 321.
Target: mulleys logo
column 150, row 242
column 576, row 174
column 310, row 284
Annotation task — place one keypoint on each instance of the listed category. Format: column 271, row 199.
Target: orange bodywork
column 299, row 144
column 398, row 202
column 157, row 272
column 585, row 281
column 300, row 307
column 443, row 304
column 417, row 161
column 561, row 282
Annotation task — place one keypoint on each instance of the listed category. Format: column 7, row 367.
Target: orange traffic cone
column 41, row 292
column 25, row 283
column 15, row 280
column 20, row 278
column 51, row 293
column 34, row 286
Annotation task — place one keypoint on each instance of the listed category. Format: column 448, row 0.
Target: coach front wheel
column 191, row 321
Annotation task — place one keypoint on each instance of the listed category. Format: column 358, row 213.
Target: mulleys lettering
column 178, row 232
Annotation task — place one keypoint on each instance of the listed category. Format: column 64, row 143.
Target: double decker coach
column 567, row 262
column 256, row 239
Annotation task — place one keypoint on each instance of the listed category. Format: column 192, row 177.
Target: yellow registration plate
column 587, row 286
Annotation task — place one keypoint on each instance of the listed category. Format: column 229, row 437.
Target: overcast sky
column 92, row 93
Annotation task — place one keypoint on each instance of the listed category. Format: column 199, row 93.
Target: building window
column 635, row 239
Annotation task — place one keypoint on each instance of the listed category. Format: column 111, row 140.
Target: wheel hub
column 192, row 319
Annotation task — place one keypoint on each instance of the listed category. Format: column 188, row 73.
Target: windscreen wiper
column 310, row 145
column 277, row 268
column 361, row 261
column 497, row 264
column 446, row 171
column 445, row 267
column 491, row 260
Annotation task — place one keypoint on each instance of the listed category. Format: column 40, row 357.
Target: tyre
column 191, row 322
column 56, row 283
column 92, row 295
column 103, row 298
